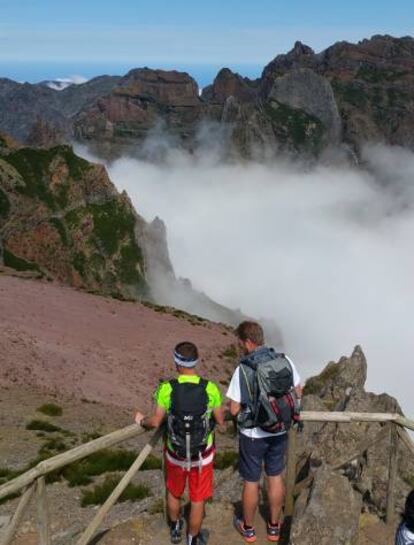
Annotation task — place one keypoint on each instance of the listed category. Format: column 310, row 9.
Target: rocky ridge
column 304, row 102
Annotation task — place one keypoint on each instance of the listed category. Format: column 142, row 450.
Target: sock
column 189, row 539
column 246, row 526
column 273, row 523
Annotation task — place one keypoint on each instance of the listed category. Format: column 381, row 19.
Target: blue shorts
column 254, row 452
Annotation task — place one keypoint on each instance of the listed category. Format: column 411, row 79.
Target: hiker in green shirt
column 190, row 405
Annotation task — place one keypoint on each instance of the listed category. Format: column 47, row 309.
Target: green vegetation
column 91, row 436
column 42, row 425
column 152, row 462
column 305, row 131
column 79, row 262
column 105, row 461
column 231, row 352
column 18, row 263
column 58, row 225
column 9, row 497
column 33, row 166
column 100, row 493
column 126, row 265
column 112, row 222
column 52, row 446
column 178, row 313
column 4, row 204
column 395, row 96
column 352, row 93
column 50, row 409
column 409, row 479
column 376, row 74
column 225, row 459
column 156, row 507
column 6, row 474
column 77, row 166
column 98, row 463
column 315, row 384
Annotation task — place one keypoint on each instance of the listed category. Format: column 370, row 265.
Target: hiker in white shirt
column 258, row 446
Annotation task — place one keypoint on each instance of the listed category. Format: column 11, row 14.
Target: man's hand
column 139, row 417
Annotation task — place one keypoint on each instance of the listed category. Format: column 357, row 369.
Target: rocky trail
column 89, row 357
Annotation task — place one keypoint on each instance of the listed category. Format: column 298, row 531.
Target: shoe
column 176, row 531
column 201, row 539
column 248, row 534
column 273, row 532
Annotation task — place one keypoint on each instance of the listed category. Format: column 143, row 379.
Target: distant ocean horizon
column 34, row 72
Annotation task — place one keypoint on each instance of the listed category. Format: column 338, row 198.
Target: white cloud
column 61, row 83
column 325, row 251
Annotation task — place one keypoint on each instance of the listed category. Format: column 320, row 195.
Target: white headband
column 184, row 362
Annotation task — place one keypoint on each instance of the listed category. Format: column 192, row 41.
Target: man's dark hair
column 408, row 515
column 250, row 331
column 187, row 350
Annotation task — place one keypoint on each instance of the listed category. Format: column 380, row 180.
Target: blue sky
column 185, row 33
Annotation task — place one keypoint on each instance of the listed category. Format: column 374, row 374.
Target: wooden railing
column 33, row 481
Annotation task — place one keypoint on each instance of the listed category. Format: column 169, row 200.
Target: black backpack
column 271, row 402
column 189, row 423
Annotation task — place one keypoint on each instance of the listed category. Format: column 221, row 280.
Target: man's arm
column 218, row 414
column 234, row 407
column 153, row 421
column 234, row 393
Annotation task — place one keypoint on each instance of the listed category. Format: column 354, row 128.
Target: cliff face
column 304, row 102
column 372, row 83
column 62, row 217
column 143, row 99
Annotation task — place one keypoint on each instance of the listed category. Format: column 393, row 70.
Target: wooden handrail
column 346, row 417
column 68, row 457
column 118, row 436
column 37, row 473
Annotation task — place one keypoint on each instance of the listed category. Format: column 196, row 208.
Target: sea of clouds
column 325, row 251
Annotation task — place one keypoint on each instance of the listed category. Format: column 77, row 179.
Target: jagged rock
column 143, row 98
column 44, row 135
column 328, row 513
column 338, row 380
column 303, row 89
column 228, row 84
column 340, row 387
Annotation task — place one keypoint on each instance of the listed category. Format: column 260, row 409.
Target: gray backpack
column 270, row 400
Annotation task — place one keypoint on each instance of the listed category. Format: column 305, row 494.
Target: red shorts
column 200, row 483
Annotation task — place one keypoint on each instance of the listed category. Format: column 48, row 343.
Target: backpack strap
column 204, row 383
column 246, row 381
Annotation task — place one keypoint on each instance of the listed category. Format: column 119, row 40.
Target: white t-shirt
column 404, row 536
column 234, row 393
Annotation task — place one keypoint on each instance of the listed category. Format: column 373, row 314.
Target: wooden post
column 42, row 513
column 126, row 479
column 290, row 472
column 11, row 528
column 392, row 473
